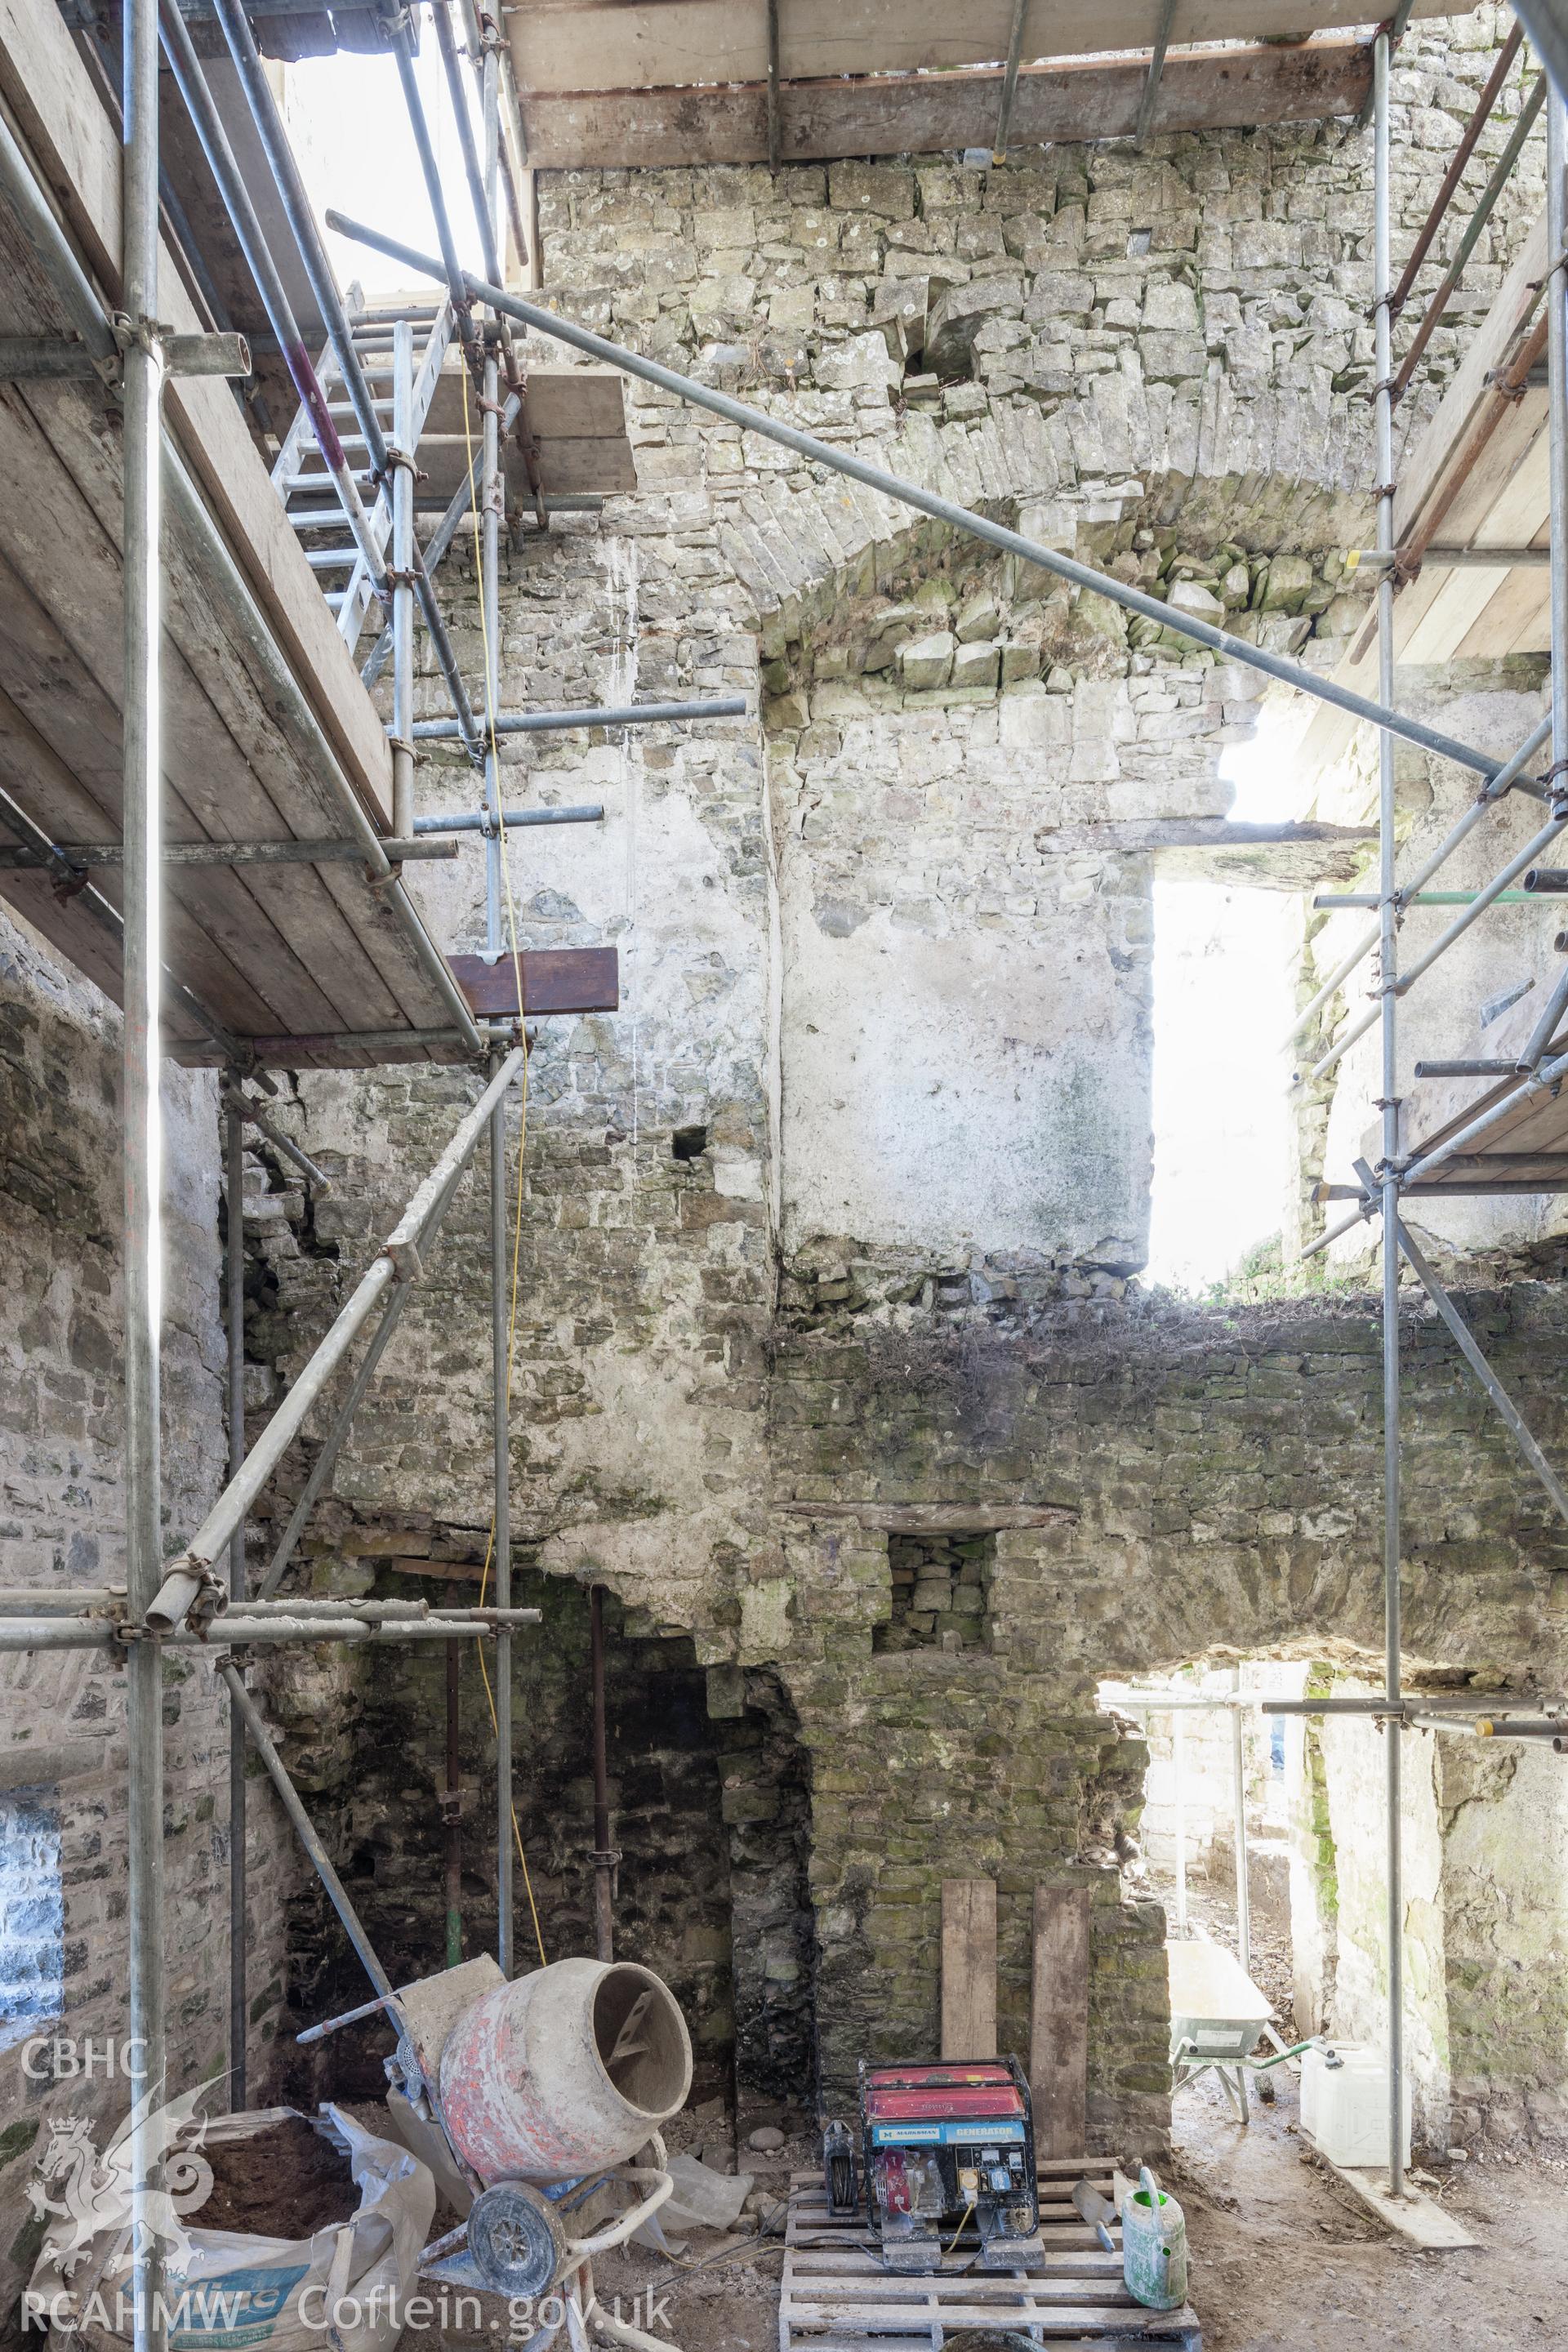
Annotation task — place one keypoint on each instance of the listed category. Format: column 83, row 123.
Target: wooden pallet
column 834, row 2295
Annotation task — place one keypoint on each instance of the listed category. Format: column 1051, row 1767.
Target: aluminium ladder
column 300, row 476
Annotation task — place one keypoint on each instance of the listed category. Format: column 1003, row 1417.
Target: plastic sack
column 703, row 2199
column 343, row 2289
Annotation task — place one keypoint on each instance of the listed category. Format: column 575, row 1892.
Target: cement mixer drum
column 564, row 2071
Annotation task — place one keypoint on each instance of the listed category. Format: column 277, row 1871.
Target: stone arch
column 1272, row 474
column 993, row 995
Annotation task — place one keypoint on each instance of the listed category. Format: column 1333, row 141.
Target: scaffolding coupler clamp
column 138, row 334
column 191, row 1595
column 1500, row 380
column 387, row 881
column 401, row 461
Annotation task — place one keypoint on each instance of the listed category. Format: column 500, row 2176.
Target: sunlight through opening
column 1223, row 1001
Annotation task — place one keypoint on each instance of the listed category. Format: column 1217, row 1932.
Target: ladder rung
column 316, row 518
column 327, row 558
column 346, row 407
column 292, row 482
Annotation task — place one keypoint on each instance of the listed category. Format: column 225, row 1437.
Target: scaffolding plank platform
column 1527, row 1145
column 835, row 2296
column 268, row 949
column 1475, row 478
column 583, row 45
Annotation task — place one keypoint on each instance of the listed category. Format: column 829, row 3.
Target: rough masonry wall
column 61, row 1502
column 1168, row 1483
column 926, row 867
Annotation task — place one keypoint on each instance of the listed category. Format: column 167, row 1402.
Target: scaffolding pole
column 603, row 1854
column 234, row 1140
column 500, row 1402
column 332, row 1444
column 400, row 457
column 496, row 881
column 397, row 1262
column 1179, row 1810
column 1238, row 1804
column 353, row 1927
column 142, row 1140
column 1469, row 1349
column 1383, row 296
column 928, row 502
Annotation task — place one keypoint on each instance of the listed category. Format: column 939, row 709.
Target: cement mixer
column 526, row 2097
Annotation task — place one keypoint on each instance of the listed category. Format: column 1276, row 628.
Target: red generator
column 948, row 2147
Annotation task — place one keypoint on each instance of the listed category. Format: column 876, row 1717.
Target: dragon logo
column 96, row 2197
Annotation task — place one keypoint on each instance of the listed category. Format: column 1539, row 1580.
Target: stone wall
column 1167, row 1481
column 62, row 1756
column 828, row 1236
column 1504, row 1828
column 837, row 1219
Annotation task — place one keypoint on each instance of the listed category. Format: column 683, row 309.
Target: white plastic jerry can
column 1344, row 2105
column 1154, row 2246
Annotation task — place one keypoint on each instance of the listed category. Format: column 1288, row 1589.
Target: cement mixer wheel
column 516, row 2240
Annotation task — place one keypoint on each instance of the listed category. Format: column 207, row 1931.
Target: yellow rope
column 492, row 674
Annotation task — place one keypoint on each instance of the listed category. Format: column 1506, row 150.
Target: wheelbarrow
column 527, row 2097
column 1218, row 2017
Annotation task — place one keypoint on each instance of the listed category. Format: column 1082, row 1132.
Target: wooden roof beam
column 1075, row 100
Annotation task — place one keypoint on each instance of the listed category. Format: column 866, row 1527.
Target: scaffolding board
column 835, row 2296
column 268, row 949
column 1476, row 479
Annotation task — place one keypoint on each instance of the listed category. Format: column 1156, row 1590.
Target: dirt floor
column 1284, row 2259
column 285, row 2182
